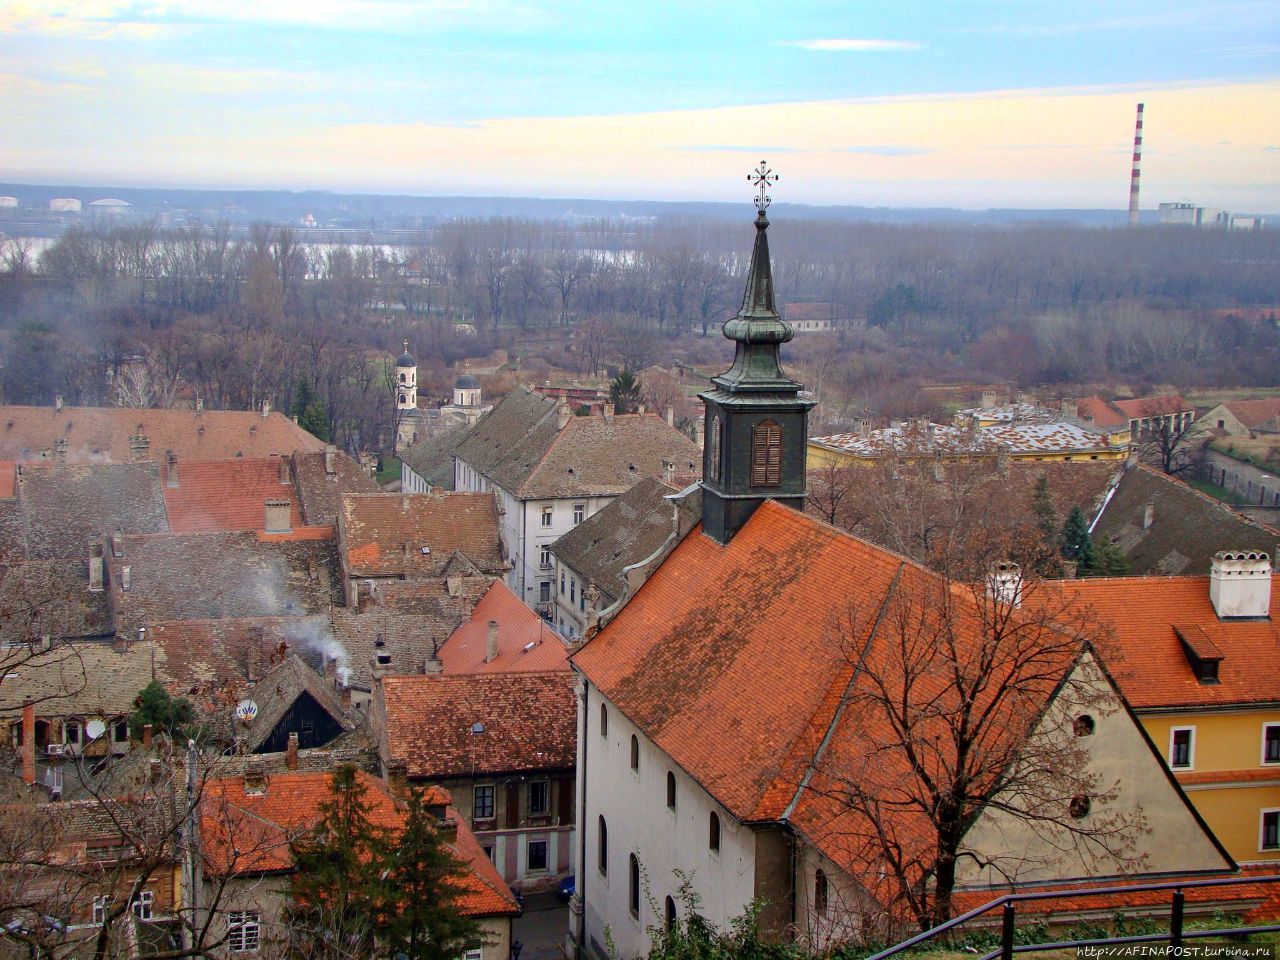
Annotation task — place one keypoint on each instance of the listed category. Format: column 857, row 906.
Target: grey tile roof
column 65, row 506
column 321, row 492
column 520, row 446
column 432, row 458
column 1187, row 528
column 87, row 679
column 51, row 597
column 206, row 576
column 415, row 535
column 626, row 531
column 280, row 688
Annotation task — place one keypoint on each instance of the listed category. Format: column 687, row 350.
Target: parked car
column 566, row 889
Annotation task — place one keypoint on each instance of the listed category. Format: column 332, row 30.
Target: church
column 412, row 423
column 730, row 735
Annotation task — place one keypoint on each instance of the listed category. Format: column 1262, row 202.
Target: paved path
column 543, row 927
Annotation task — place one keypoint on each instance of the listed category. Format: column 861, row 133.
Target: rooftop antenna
column 1137, row 170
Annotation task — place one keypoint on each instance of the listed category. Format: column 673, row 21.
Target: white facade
column 571, row 605
column 664, row 839
column 528, row 528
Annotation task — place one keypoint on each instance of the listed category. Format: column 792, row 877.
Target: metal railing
column 1008, row 906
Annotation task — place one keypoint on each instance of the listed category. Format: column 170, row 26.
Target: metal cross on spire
column 762, row 178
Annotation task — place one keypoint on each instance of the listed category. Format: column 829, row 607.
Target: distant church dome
column 466, row 382
column 406, row 358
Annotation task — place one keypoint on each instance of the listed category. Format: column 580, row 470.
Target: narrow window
column 579, row 513
column 820, row 892
column 633, row 886
column 1181, row 747
column 539, row 798
column 546, row 516
column 544, row 591
column 766, row 454
column 484, row 802
column 713, row 447
column 671, row 914
column 713, row 840
column 1271, row 743
column 573, row 590
column 537, row 856
column 100, row 905
column 1271, row 829
column 143, row 905
column 403, row 398
column 544, row 558
column 635, row 752
column 671, row 790
column 603, row 844
column 244, row 931
column 562, row 582
column 604, row 721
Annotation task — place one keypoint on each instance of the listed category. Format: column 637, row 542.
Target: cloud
column 734, row 148
column 886, row 150
column 855, row 45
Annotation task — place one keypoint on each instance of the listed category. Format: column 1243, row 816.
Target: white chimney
column 1240, row 584
column 95, row 567
column 1004, row 583
column 284, row 470
column 491, row 642
column 608, row 411
column 329, row 451
column 1148, row 515
column 275, row 516
column 671, row 416
column 266, row 409
column 57, row 402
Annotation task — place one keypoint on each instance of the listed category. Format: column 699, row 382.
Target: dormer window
column 766, row 454
column 1202, row 653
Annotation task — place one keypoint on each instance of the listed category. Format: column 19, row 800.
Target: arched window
column 603, row 844
column 766, row 454
column 671, row 790
column 820, row 892
column 1083, row 726
column 635, row 753
column 713, row 841
column 403, row 398
column 633, row 886
column 402, row 378
column 713, row 447
column 604, row 711
column 671, row 914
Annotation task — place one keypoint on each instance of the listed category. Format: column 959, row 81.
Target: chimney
column 117, row 543
column 329, row 467
column 60, row 449
column 398, row 776
column 120, row 643
column 938, row 473
column 275, row 517
column 864, row 426
column 453, row 584
column 973, row 426
column 255, row 779
column 284, row 470
column 404, row 503
column 57, row 402
column 988, row 400
column 700, row 432
column 434, row 665
column 671, row 416
column 640, row 408
column 139, row 445
column 172, row 466
column 146, row 734
column 266, row 409
column 491, row 642
column 29, row 741
column 1148, row 514
column 669, row 472
column 1004, row 583
column 95, row 568
column 381, row 660
column 1002, row 461
column 1240, row 584
column 125, row 578
column 562, row 412
column 344, row 696
column 1069, row 569
column 291, row 753
column 199, row 404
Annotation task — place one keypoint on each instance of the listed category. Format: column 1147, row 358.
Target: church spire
column 756, row 421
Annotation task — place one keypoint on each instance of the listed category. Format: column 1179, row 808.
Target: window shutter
column 766, row 454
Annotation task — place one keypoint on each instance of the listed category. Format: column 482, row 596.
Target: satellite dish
column 94, row 729
column 245, row 711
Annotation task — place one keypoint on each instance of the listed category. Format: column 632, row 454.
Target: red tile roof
column 93, row 434
column 1251, row 413
column 385, row 534
column 526, row 644
column 262, row 825
column 225, row 494
column 1147, row 658
column 8, row 478
column 1139, row 408
column 528, row 722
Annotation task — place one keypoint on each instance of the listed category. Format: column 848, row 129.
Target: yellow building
column 1198, row 658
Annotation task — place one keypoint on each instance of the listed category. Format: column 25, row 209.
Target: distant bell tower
column 406, row 381
column 756, row 420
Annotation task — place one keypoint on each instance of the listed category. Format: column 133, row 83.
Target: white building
column 552, row 470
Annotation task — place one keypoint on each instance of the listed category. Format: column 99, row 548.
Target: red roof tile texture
column 226, row 494
column 93, row 434
column 1147, row 657
column 385, row 534
column 526, row 644
column 8, row 478
column 527, row 721
column 1253, row 413
column 263, row 824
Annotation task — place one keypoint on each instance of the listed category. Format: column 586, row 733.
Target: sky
column 965, row 103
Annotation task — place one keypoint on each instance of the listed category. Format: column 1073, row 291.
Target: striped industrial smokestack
column 1137, row 170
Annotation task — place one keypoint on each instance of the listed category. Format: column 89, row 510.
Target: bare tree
column 1169, row 436
column 969, row 700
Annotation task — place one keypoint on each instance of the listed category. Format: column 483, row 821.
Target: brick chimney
column 398, row 776
column 139, row 446
column 171, row 477
column 29, row 741
column 491, row 642
column 331, row 668
column 275, row 516
column 146, row 734
column 1240, row 584
column 608, row 411
column 255, row 778
column 291, row 753
column 669, row 471
column 284, row 470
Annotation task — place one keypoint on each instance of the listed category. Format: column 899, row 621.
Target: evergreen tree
column 166, row 714
column 1108, row 560
column 312, row 412
column 625, row 392
column 337, row 892
column 1046, row 516
column 1077, row 545
column 424, row 922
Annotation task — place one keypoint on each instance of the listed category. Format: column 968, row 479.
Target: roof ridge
column 545, row 455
